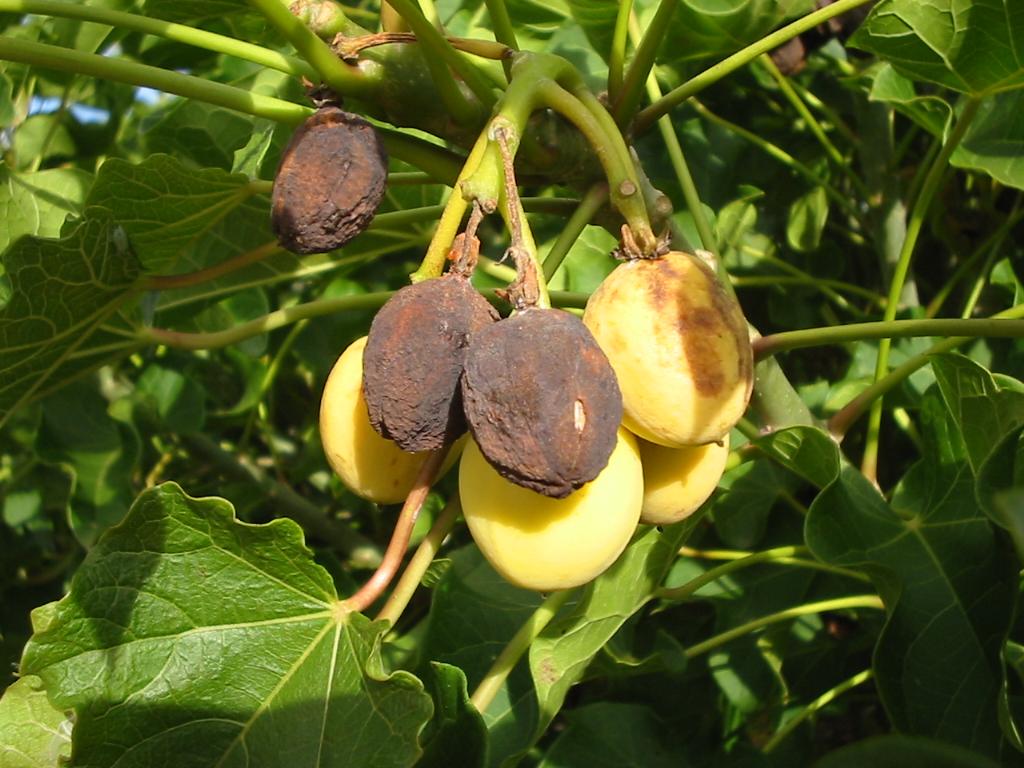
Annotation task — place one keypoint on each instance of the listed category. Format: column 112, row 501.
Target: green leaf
column 932, row 113
column 982, row 410
column 745, row 500
column 994, row 141
column 972, row 46
column 33, row 733
column 703, row 28
column 806, row 222
column 171, row 398
column 614, row 735
column 43, row 138
column 457, row 737
column 191, row 639
column 207, row 135
column 61, row 291
column 560, row 655
column 947, row 583
column 37, row 203
column 899, row 751
column 807, row 451
column 597, row 20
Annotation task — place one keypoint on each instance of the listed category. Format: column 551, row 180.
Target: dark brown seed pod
column 542, row 401
column 413, row 361
column 329, row 183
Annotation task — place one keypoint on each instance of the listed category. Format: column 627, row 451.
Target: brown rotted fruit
column 414, row 358
column 542, row 401
column 329, row 183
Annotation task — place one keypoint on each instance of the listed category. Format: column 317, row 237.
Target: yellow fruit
column 678, row 480
column 369, row 465
column 541, row 543
column 679, row 345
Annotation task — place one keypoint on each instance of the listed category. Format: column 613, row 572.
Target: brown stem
column 349, row 48
column 465, row 251
column 375, row 586
column 524, row 291
column 167, row 282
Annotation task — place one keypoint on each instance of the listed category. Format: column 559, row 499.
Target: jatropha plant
column 498, row 383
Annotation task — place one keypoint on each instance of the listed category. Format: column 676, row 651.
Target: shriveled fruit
column 329, row 183
column 372, row 467
column 541, row 400
column 678, row 480
column 414, row 357
column 679, row 345
column 541, row 543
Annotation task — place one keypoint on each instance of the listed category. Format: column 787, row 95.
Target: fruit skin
column 413, row 361
column 679, row 345
column 541, row 400
column 544, row 544
column 372, row 467
column 330, row 180
column 677, row 481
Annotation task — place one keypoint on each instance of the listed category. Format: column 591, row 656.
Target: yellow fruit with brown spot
column 542, row 543
column 372, row 467
column 677, row 481
column 679, row 345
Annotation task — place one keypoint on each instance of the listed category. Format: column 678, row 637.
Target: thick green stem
column 108, row 68
column 869, row 462
column 591, row 203
column 517, row 646
column 839, row 604
column 504, row 30
column 739, row 59
column 640, row 68
column 411, row 577
column 822, row 701
column 612, row 153
column 617, row 52
column 343, row 79
column 179, row 33
column 891, row 329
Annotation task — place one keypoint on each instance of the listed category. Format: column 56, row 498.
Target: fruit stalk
column 376, row 584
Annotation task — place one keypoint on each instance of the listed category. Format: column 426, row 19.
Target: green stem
column 288, row 315
column 439, row 162
column 682, row 170
column 179, row 33
column 800, row 562
column 504, row 31
column 591, row 203
column 822, row 701
column 844, row 418
column 438, row 48
column 612, row 153
column 813, row 125
column 517, row 646
column 617, row 52
column 739, row 59
column 107, row 68
column 869, row 462
column 425, row 553
column 780, row 555
column 343, row 79
column 782, row 156
column 886, row 329
column 640, row 68
column 838, row 604
column 824, row 285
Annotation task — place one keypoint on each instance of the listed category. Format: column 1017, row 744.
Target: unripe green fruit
column 372, row 467
column 679, row 345
column 678, row 480
column 542, row 543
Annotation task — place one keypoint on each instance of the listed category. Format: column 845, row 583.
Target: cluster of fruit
column 580, row 430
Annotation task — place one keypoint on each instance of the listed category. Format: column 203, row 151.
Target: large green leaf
column 191, row 639
column 33, row 733
column 972, row 46
column 62, row 290
column 947, row 582
column 898, row 751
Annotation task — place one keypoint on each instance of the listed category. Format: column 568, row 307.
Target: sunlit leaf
column 33, row 733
